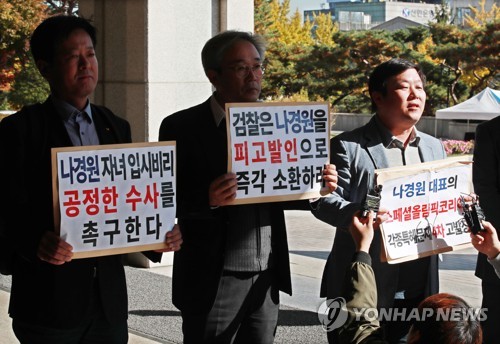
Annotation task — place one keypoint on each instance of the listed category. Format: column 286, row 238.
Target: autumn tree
column 29, row 86
column 263, row 19
column 324, row 29
column 481, row 57
column 18, row 19
column 480, row 16
column 288, row 42
column 20, row 81
column 334, row 65
column 288, row 29
column 356, row 55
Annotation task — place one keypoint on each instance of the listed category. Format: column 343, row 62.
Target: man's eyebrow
column 70, row 49
column 256, row 59
column 410, row 81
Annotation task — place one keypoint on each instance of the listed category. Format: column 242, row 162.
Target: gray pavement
column 310, row 242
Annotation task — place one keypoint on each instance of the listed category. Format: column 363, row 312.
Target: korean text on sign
column 424, row 213
column 278, row 149
column 116, row 198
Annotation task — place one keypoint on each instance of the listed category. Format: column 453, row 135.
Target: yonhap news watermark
column 333, row 314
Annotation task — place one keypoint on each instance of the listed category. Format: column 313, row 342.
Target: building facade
column 363, row 15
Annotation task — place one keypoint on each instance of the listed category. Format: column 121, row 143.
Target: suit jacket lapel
column 57, row 135
column 212, row 142
column 374, row 145
column 375, row 148
column 426, row 151
column 106, row 131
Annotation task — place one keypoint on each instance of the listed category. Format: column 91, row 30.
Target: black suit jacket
column 201, row 158
column 486, row 177
column 41, row 293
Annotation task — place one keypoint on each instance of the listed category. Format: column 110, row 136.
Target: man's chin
column 251, row 96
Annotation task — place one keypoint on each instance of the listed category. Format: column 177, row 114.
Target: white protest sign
column 277, row 150
column 114, row 198
column 423, row 203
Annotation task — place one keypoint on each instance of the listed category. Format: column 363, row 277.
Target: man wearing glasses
column 234, row 261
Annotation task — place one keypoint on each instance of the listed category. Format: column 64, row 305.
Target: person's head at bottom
column 449, row 320
column 441, row 318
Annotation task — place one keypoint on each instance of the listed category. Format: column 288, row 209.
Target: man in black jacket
column 234, row 259
column 486, row 178
column 54, row 299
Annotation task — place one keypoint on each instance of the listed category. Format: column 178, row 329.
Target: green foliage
column 413, row 35
column 481, row 54
column 18, row 19
column 481, row 16
column 4, row 104
column 263, row 19
column 29, row 87
column 334, row 65
column 20, row 82
column 324, row 30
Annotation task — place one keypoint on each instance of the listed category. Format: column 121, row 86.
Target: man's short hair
column 54, row 30
column 215, row 48
column 378, row 78
column 462, row 326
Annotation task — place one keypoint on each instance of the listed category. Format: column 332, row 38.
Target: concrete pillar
column 149, row 54
column 234, row 15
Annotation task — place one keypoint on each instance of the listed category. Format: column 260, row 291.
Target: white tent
column 483, row 106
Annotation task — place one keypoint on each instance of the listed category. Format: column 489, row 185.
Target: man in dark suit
column 54, row 299
column 390, row 139
column 486, row 178
column 234, row 259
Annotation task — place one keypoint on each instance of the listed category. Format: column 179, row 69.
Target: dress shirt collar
column 390, row 141
column 66, row 110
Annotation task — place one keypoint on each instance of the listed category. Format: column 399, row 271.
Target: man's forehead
column 241, row 51
column 75, row 46
column 77, row 35
column 409, row 75
column 71, row 42
column 243, row 60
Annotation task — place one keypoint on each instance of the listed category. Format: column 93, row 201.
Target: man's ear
column 376, row 97
column 44, row 68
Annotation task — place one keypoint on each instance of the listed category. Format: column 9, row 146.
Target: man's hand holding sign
column 55, row 250
column 222, row 191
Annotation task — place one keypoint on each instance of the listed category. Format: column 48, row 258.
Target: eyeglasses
column 242, row 71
